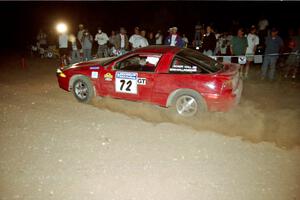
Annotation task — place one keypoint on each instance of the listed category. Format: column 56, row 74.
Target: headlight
column 60, row 73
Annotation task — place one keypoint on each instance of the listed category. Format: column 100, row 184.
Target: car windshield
column 198, row 58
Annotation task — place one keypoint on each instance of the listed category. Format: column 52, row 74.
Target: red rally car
column 183, row 79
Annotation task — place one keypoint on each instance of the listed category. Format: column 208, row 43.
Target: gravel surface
column 52, row 147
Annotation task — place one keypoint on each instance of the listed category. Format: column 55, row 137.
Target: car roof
column 161, row 49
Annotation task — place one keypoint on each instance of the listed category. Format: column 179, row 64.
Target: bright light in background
column 61, row 28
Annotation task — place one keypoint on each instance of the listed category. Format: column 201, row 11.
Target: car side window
column 138, row 63
column 180, row 66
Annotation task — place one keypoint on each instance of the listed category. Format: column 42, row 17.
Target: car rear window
column 200, row 59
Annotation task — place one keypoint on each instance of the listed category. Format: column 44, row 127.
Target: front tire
column 83, row 90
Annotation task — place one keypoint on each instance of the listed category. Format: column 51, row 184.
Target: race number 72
column 128, row 85
column 126, row 82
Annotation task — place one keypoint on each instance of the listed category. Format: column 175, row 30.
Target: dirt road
column 52, row 147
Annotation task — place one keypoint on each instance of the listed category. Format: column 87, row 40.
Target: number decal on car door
column 126, row 82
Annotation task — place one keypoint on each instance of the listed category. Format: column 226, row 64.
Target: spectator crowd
column 258, row 43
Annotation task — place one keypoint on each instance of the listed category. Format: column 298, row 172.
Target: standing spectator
column 76, row 47
column 263, row 29
column 198, row 35
column 102, row 40
column 112, row 42
column 151, row 39
column 79, row 36
column 293, row 61
column 239, row 45
column 42, row 39
column 222, row 44
column 143, row 41
column 253, row 41
column 133, row 40
column 185, row 40
column 63, row 48
column 143, row 33
column 159, row 38
column 174, row 39
column 209, row 42
column 297, row 39
column 122, row 43
column 80, row 32
column 273, row 45
column 138, row 40
column 87, row 43
column 41, row 42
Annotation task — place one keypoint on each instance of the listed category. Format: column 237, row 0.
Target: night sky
column 21, row 20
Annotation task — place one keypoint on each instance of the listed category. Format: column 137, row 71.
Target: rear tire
column 83, row 89
column 188, row 104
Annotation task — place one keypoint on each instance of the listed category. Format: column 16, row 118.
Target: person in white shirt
column 137, row 40
column 134, row 37
column 63, row 48
column 173, row 40
column 102, row 40
column 159, row 38
column 253, row 41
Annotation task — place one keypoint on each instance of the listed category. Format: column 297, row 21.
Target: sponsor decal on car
column 141, row 81
column 108, row 76
column 126, row 82
column 183, row 68
column 94, row 67
column 94, row 75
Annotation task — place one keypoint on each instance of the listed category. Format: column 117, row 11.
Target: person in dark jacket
column 122, row 42
column 174, row 39
column 87, row 44
column 209, row 42
column 273, row 44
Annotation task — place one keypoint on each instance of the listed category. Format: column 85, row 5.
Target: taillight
column 227, row 85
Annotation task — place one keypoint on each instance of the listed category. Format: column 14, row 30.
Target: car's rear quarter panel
column 165, row 84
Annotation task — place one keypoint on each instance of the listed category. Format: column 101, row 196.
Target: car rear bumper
column 226, row 101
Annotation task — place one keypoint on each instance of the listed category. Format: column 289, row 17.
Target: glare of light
column 211, row 85
column 152, row 60
column 60, row 73
column 61, row 28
